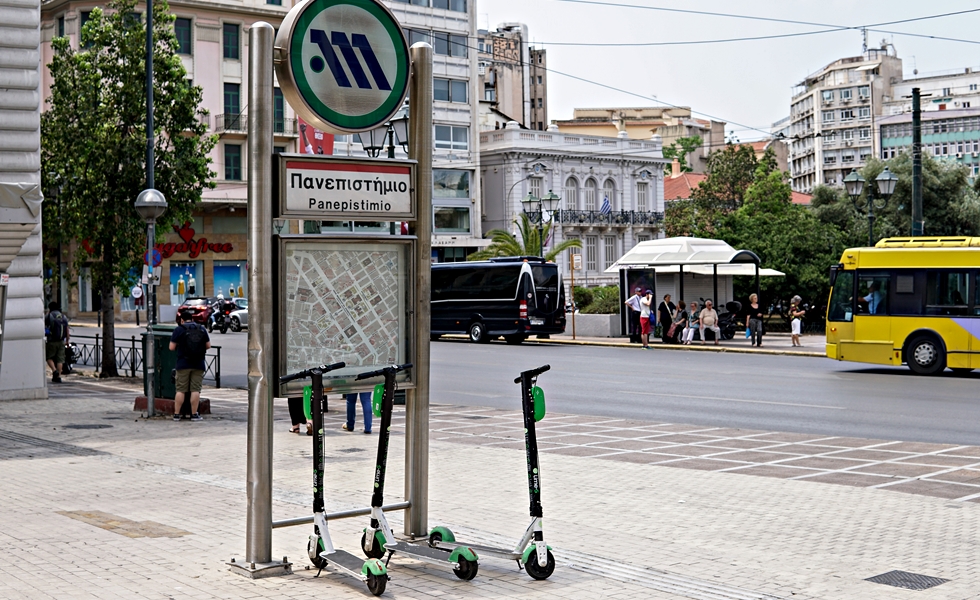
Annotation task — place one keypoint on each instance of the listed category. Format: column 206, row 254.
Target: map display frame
column 344, row 298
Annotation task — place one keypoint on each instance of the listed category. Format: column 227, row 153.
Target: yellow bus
column 913, row 301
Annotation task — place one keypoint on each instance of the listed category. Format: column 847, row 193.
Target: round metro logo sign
column 342, row 64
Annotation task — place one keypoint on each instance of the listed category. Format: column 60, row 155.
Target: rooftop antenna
column 864, row 42
column 915, row 69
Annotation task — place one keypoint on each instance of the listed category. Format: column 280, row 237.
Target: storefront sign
column 337, row 189
column 343, row 65
column 191, row 246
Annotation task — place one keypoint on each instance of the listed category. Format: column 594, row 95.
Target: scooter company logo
column 349, row 60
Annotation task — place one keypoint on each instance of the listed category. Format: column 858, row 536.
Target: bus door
column 947, row 294
column 872, row 325
column 974, row 324
column 840, row 312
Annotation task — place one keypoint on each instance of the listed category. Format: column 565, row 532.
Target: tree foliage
column 94, row 146
column 679, row 149
column 504, row 243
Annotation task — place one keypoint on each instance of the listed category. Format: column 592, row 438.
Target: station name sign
column 338, row 189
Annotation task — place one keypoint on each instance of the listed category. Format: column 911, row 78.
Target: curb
column 719, row 349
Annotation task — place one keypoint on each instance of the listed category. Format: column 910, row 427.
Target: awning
column 728, row 270
column 684, row 251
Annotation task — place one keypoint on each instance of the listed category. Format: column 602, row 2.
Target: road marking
column 733, row 400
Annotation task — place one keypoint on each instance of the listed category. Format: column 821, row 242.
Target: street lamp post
column 150, row 205
column 535, row 209
column 392, row 132
column 877, row 196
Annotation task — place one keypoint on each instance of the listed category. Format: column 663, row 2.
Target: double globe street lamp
column 535, row 209
column 394, row 132
column 876, row 198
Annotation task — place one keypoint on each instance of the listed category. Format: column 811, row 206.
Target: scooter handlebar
column 306, row 373
column 533, row 372
column 378, row 372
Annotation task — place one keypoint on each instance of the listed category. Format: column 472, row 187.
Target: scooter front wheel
column 466, row 569
column 376, row 583
column 377, row 548
column 313, row 549
column 537, row 571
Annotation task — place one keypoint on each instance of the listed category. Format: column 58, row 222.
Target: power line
column 689, row 42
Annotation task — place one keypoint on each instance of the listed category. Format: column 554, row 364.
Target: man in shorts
column 56, row 336
column 191, row 341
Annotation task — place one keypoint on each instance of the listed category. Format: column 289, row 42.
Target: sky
column 747, row 84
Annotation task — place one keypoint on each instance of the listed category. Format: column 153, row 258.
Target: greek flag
column 606, row 207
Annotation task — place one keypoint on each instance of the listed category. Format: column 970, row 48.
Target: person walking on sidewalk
column 56, row 336
column 692, row 324
column 633, row 305
column 709, row 320
column 298, row 417
column 753, row 320
column 352, row 411
column 645, row 314
column 665, row 313
column 191, row 341
column 796, row 313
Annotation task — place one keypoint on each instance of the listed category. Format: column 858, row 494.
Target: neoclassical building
column 586, row 172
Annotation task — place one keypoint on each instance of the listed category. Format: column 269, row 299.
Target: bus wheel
column 478, row 333
column 925, row 355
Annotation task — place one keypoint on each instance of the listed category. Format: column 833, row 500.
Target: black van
column 513, row 297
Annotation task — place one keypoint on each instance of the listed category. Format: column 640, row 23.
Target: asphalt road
column 753, row 391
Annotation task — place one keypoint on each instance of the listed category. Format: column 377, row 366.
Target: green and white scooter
column 531, row 553
column 319, row 548
column 378, row 537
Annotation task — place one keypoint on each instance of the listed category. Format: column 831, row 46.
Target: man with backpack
column 191, row 341
column 56, row 336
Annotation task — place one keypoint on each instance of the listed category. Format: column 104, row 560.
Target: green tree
column 504, row 243
column 679, row 149
column 93, row 146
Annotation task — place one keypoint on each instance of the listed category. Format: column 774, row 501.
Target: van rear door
column 548, row 295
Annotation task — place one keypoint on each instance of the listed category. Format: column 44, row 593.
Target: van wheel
column 514, row 339
column 478, row 333
column 925, row 355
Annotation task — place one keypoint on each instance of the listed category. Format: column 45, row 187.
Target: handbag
column 672, row 330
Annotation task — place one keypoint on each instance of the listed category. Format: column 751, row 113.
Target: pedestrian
column 796, row 313
column 753, row 320
column 709, row 320
column 298, row 416
column 633, row 307
column 55, row 338
column 191, row 341
column 645, row 314
column 693, row 320
column 678, row 324
column 352, row 411
column 665, row 314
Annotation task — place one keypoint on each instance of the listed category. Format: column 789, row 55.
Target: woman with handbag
column 680, row 320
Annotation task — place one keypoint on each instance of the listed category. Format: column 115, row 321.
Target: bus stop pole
column 258, row 540
column 420, row 145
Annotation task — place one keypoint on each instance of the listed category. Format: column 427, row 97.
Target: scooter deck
column 479, row 549
column 423, row 553
column 348, row 563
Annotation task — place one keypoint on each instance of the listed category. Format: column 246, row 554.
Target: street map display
column 344, row 301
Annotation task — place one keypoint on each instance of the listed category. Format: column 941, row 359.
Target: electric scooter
column 320, row 548
column 378, row 537
column 531, row 553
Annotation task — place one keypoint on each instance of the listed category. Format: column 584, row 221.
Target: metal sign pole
column 420, row 147
column 258, row 542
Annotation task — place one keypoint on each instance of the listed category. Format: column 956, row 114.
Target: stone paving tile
column 846, row 479
column 751, row 456
column 934, row 488
column 675, row 438
column 963, row 451
column 700, row 464
column 685, row 450
column 849, row 442
column 942, row 460
column 777, row 436
column 777, row 471
column 734, row 444
column 896, row 469
column 971, row 476
column 626, row 444
column 630, row 457
column 873, row 455
column 825, row 463
column 575, row 451
column 917, row 447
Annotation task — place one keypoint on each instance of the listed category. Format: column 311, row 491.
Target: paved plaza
column 102, row 503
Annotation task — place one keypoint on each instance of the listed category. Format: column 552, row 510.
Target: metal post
column 417, row 409
column 151, row 317
column 258, row 542
column 871, row 221
column 917, row 219
column 149, row 95
column 714, row 279
column 571, row 290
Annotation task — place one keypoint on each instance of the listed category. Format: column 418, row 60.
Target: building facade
column 513, row 79
column 952, row 135
column 670, row 124
column 832, row 117
column 587, row 172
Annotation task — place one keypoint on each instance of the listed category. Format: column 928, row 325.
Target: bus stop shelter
column 670, row 262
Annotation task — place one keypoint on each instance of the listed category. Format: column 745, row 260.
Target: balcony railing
column 231, row 123
column 622, row 218
column 284, row 127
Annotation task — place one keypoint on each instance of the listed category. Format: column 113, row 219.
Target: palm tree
column 505, row 243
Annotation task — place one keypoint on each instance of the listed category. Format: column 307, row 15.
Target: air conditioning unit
column 959, row 155
column 845, row 100
column 849, row 142
column 975, row 154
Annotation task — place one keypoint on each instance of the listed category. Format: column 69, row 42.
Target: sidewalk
column 100, row 503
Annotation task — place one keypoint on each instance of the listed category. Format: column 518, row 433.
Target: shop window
column 451, row 219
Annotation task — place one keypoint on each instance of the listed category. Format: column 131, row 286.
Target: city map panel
column 344, row 302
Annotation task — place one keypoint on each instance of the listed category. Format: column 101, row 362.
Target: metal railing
column 129, row 355
column 622, row 218
column 228, row 122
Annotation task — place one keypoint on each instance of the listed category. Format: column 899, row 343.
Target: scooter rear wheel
column 467, row 569
column 537, row 571
column 376, row 583
column 377, row 549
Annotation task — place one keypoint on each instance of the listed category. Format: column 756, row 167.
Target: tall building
column 611, row 189
column 513, row 79
column 670, row 124
column 832, row 116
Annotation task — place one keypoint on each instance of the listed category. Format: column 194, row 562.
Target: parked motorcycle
column 221, row 317
column 728, row 321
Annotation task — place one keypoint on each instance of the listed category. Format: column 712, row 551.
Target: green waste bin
column 164, row 359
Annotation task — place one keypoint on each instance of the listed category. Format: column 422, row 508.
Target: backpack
column 195, row 340
column 57, row 326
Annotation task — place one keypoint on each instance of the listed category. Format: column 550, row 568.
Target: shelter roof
column 687, row 251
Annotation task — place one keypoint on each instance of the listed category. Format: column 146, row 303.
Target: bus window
column 841, row 297
column 468, row 284
column 442, row 283
column 946, row 293
column 872, row 296
column 502, row 282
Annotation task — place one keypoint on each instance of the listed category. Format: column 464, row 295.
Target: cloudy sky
column 745, row 83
